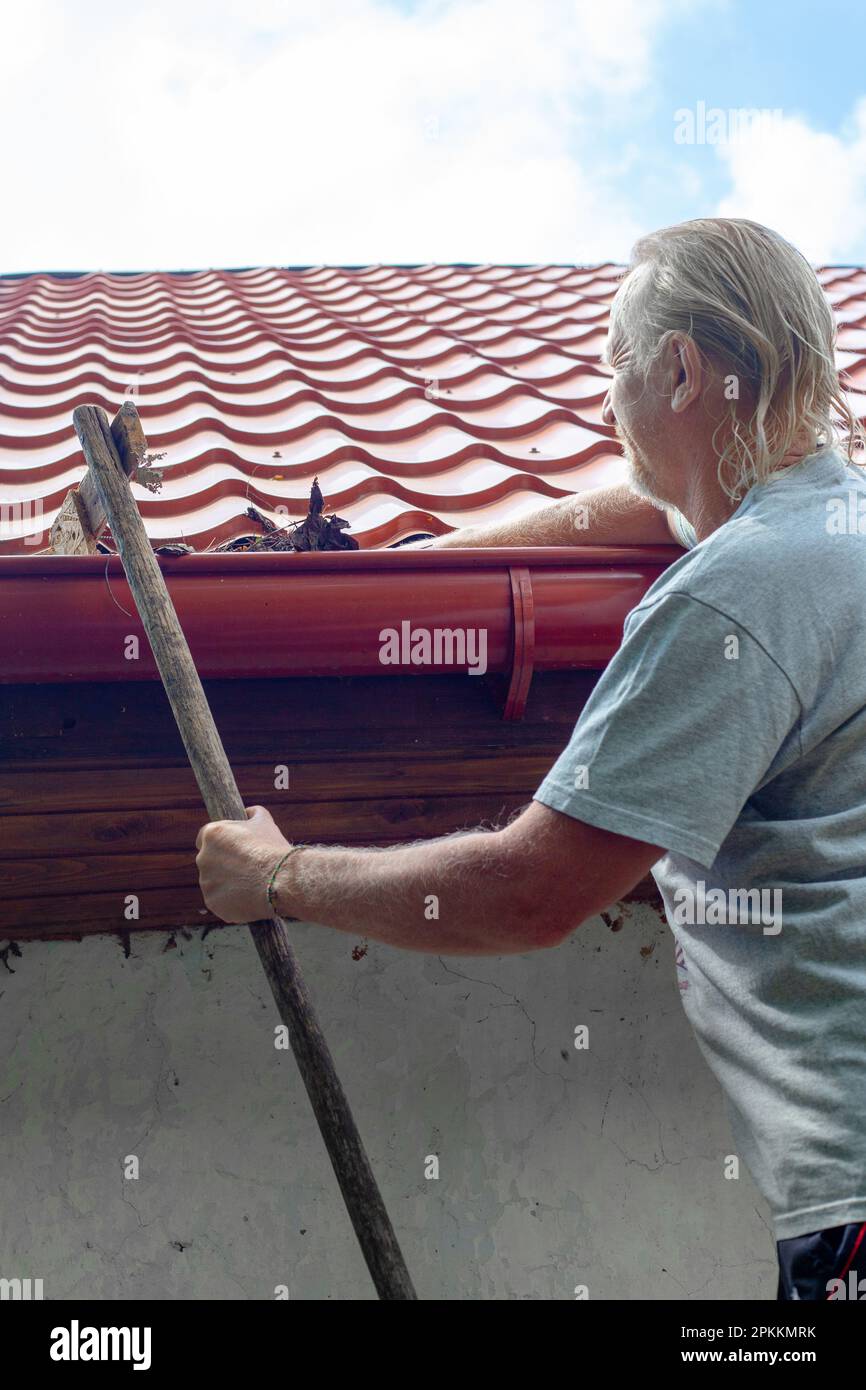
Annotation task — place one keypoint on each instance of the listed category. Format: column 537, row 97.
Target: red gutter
column 278, row 615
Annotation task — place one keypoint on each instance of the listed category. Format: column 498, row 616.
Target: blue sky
column 800, row 57
column 179, row 133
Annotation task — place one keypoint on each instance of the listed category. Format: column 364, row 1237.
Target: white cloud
column 245, row 132
column 806, row 184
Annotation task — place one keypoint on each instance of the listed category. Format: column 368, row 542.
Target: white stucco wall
column 602, row 1167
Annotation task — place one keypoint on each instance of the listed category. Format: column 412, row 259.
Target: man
column 724, row 747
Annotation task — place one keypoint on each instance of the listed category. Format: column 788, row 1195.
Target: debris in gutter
column 315, row 532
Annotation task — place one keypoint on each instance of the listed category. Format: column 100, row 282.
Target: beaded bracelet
column 273, row 879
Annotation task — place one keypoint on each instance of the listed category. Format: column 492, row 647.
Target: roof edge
column 327, row 614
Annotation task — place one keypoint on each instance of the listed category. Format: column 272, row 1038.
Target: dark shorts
column 809, row 1265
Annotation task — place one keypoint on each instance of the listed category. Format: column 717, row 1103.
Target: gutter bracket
column 523, row 649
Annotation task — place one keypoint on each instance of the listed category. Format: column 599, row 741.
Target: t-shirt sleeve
column 679, row 731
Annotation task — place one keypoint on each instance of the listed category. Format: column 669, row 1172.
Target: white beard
column 641, row 488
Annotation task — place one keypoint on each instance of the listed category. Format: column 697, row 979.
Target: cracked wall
column 558, row 1168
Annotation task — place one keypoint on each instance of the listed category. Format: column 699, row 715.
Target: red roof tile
column 423, row 398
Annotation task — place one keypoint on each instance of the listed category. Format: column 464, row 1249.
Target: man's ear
column 686, row 373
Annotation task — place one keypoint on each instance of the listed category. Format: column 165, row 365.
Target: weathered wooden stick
column 75, row 530
column 223, row 802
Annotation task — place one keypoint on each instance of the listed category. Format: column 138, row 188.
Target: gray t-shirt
column 730, row 729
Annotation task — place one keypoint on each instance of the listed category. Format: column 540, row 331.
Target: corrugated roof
column 424, row 398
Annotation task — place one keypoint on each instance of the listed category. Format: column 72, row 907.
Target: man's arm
column 610, row 515
column 523, row 888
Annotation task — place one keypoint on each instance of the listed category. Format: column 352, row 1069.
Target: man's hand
column 235, row 861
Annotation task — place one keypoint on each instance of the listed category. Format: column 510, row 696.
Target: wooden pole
column 75, row 530
column 223, row 802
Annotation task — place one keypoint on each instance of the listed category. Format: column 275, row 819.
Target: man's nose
column 607, row 414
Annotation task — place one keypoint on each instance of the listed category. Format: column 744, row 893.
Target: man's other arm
column 610, row 515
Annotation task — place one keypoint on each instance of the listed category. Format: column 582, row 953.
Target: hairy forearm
column 610, row 515
column 465, row 894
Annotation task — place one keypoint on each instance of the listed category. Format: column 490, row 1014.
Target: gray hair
column 753, row 306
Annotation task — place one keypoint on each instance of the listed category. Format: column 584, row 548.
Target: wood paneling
column 97, row 801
